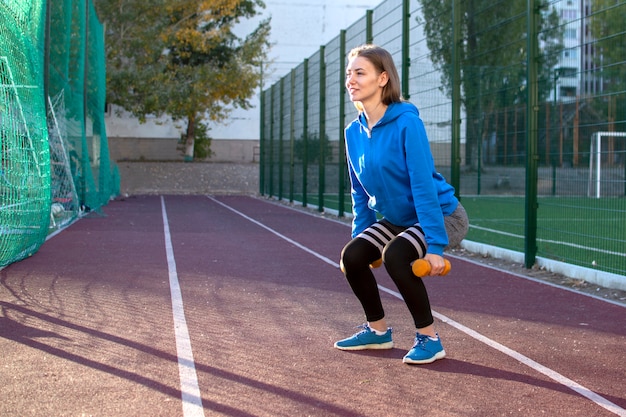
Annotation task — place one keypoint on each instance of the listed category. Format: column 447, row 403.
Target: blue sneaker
column 366, row 339
column 425, row 350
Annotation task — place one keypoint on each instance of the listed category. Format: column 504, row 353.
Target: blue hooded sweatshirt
column 392, row 172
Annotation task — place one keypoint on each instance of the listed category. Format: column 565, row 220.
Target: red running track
column 229, row 306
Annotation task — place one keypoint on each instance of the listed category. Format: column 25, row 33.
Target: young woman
column 393, row 175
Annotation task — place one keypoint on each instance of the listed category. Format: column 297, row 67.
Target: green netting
column 539, row 161
column 25, row 166
column 54, row 142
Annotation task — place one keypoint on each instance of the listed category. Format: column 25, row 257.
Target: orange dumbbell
column 421, row 267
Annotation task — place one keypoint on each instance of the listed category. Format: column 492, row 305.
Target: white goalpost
column 595, row 159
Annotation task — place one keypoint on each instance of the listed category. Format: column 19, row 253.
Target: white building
column 567, row 70
column 299, row 28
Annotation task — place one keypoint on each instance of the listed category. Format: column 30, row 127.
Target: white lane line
column 293, row 242
column 585, row 392
column 555, row 376
column 190, row 391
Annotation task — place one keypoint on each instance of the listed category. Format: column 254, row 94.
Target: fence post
column 369, row 19
column 262, row 154
column 305, row 133
column 322, row 131
column 46, row 59
column 271, row 141
column 455, row 157
column 281, row 123
column 86, row 67
column 406, row 59
column 292, row 134
column 84, row 157
column 530, row 243
column 342, row 123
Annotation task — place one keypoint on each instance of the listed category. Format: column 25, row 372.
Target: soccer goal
column 602, row 160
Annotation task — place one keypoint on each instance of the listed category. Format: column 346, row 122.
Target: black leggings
column 399, row 247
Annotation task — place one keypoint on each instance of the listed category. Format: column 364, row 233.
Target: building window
column 568, row 91
column 570, row 34
column 568, row 15
column 570, row 53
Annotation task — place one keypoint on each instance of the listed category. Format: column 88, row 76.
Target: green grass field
column 582, row 231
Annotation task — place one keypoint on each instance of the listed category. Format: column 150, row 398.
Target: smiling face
column 363, row 81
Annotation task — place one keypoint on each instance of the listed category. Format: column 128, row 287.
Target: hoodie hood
column 394, row 110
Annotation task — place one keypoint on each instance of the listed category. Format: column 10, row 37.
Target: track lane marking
column 189, row 388
column 293, row 242
column 555, row 376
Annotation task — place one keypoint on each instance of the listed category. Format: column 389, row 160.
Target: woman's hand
column 436, row 263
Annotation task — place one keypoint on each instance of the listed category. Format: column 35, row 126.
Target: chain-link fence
column 525, row 107
column 55, row 158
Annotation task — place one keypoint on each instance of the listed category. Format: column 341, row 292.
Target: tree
column 182, row 58
column 493, row 58
column 607, row 30
column 610, row 49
